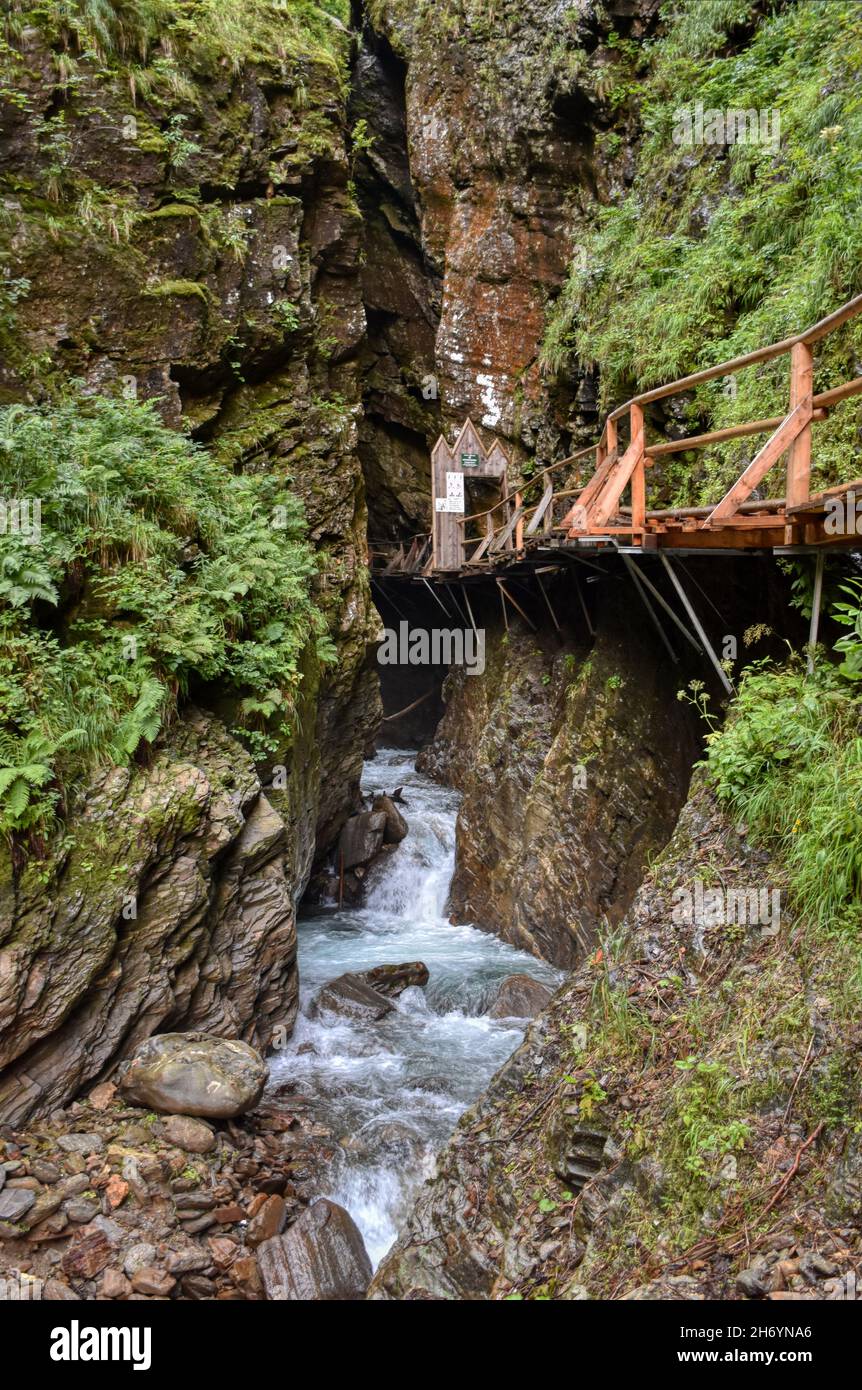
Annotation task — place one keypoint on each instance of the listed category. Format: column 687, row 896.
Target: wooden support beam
column 515, row 604
column 663, row 603
column 470, row 611
column 435, row 595
column 450, row 591
column 586, row 494
column 815, row 610
column 698, row 626
column 798, row 488
column 389, row 600
column 644, row 597
column 503, row 536
column 547, row 601
column 760, row 465
column 639, row 474
column 479, row 552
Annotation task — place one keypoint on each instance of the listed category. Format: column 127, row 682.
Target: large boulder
column 366, row 994
column 392, row 980
column 195, row 1074
column 321, row 1258
column 520, row 996
column 361, row 838
column 351, row 997
column 396, row 826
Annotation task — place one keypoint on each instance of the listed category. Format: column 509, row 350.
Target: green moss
column 181, row 289
column 171, row 210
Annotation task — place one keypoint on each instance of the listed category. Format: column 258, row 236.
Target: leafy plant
column 155, row 570
column 849, row 615
column 181, row 147
column 789, row 763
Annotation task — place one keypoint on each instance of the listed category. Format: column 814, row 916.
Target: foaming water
column 392, row 1091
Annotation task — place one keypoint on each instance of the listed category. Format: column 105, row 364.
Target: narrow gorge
column 334, row 968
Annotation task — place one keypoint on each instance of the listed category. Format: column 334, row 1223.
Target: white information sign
column 454, row 499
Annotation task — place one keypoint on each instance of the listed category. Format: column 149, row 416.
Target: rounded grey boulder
column 195, row 1074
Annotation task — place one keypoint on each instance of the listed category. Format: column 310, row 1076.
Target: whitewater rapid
column 392, row 1091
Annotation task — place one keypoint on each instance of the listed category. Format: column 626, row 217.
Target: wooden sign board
column 449, row 465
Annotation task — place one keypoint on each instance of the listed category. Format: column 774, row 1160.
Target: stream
column 392, row 1091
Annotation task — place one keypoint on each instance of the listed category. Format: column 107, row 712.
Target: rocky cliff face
column 573, row 759
column 170, row 904
column 508, row 117
column 401, row 294
column 178, row 223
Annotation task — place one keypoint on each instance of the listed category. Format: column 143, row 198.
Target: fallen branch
column 794, row 1169
column 422, row 698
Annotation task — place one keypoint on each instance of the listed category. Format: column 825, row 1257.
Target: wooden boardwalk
column 597, row 499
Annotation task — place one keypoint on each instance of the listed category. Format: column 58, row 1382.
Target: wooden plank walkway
column 561, row 508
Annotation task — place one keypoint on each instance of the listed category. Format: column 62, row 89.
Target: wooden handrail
column 617, row 468
column 748, row 359
column 525, row 483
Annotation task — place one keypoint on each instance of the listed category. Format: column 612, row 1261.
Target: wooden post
column 815, row 610
column 601, row 448
column 611, row 428
column 799, row 454
column 639, row 476
column 519, row 525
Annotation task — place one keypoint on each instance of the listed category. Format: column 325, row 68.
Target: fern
column 23, row 579
column 184, row 574
column 143, row 721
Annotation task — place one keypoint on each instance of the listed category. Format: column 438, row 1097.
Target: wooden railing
column 594, row 508
column 410, row 556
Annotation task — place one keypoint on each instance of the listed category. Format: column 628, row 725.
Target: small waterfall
column 392, row 1091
